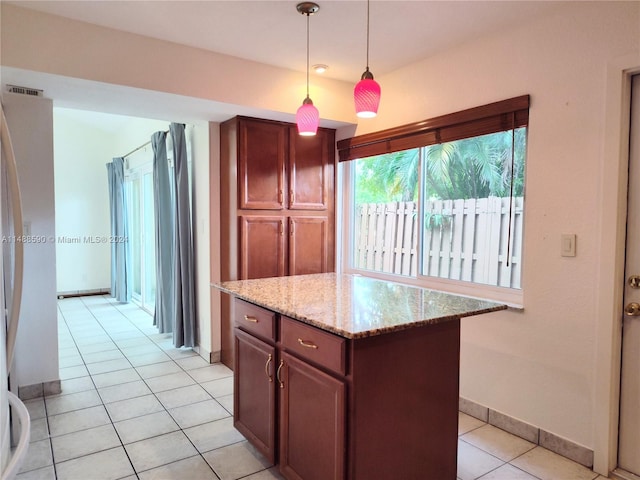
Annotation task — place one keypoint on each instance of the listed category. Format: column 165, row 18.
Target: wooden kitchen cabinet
column 367, row 373
column 312, row 422
column 262, row 153
column 275, row 378
column 382, row 406
column 262, row 246
column 310, row 170
column 265, row 149
column 309, row 245
column 277, row 206
column 254, row 401
column 272, row 246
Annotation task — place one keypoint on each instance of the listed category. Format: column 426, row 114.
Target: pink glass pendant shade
column 366, row 95
column 307, row 118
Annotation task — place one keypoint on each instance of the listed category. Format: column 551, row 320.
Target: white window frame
column 513, row 297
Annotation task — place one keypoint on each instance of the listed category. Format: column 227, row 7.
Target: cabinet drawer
column 256, row 320
column 313, row 344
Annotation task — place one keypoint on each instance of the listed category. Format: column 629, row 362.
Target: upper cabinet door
column 310, row 170
column 262, row 150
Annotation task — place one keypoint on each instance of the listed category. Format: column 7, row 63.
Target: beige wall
column 552, row 364
column 45, row 43
column 540, row 364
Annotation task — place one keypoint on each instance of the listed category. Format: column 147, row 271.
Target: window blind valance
column 483, row 120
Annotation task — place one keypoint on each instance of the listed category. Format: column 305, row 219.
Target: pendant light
column 366, row 93
column 307, row 116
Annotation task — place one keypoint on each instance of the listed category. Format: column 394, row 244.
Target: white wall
column 30, row 122
column 538, row 365
column 84, row 142
column 208, row 335
column 81, row 151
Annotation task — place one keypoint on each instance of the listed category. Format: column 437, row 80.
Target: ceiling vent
column 33, row 92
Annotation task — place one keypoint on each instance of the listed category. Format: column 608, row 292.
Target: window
column 447, row 212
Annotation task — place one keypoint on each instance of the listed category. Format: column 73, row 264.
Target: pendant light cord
column 367, row 34
column 308, row 55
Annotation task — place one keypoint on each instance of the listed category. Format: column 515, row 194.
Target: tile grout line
column 97, row 393
column 152, row 393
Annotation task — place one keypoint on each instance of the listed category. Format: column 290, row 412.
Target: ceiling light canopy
column 366, row 93
column 320, row 68
column 307, row 116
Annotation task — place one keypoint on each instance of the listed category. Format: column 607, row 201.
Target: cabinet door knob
column 291, row 198
column 278, row 374
column 251, row 319
column 266, row 367
column 307, row 344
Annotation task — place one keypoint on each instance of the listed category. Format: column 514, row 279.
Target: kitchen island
column 348, row 377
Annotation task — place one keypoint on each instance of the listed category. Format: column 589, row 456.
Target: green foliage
column 476, row 167
column 388, row 178
column 437, row 220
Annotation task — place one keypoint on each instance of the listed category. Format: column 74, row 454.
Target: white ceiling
column 273, row 32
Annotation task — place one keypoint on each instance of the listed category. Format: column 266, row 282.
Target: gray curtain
column 120, row 251
column 165, row 219
column 185, row 325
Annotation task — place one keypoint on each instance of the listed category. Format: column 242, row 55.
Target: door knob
column 634, row 281
column 632, row 309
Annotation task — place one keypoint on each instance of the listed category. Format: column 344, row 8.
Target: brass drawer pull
column 278, row 374
column 307, row 344
column 266, row 367
column 251, row 319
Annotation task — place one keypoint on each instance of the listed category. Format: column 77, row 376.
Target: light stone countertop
column 354, row 306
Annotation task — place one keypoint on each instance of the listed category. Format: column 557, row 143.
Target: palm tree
column 476, row 167
column 388, row 178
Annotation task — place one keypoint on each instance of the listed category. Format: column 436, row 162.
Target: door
column 142, row 236
column 312, row 422
column 629, row 434
column 309, row 170
column 254, row 406
column 261, row 160
column 308, row 242
column 262, row 247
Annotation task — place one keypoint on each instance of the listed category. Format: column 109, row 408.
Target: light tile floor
column 132, row 406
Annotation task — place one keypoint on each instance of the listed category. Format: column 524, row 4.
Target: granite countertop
column 354, row 306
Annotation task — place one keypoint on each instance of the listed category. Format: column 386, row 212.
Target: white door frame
column 610, row 281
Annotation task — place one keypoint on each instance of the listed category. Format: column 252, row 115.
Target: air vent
column 34, row 92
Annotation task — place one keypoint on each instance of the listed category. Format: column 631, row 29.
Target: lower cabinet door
column 308, row 245
column 262, row 246
column 254, row 405
column 312, row 422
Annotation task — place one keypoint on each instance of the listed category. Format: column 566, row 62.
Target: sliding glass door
column 142, row 231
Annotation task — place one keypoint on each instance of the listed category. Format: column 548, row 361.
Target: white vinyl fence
column 462, row 240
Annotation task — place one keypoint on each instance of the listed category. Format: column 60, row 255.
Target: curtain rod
column 140, row 147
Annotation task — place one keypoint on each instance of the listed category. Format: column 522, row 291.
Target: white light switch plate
column 568, row 245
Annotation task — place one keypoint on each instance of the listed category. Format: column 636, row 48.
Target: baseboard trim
column 83, row 293
column 620, row 474
column 37, row 390
column 531, row 433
